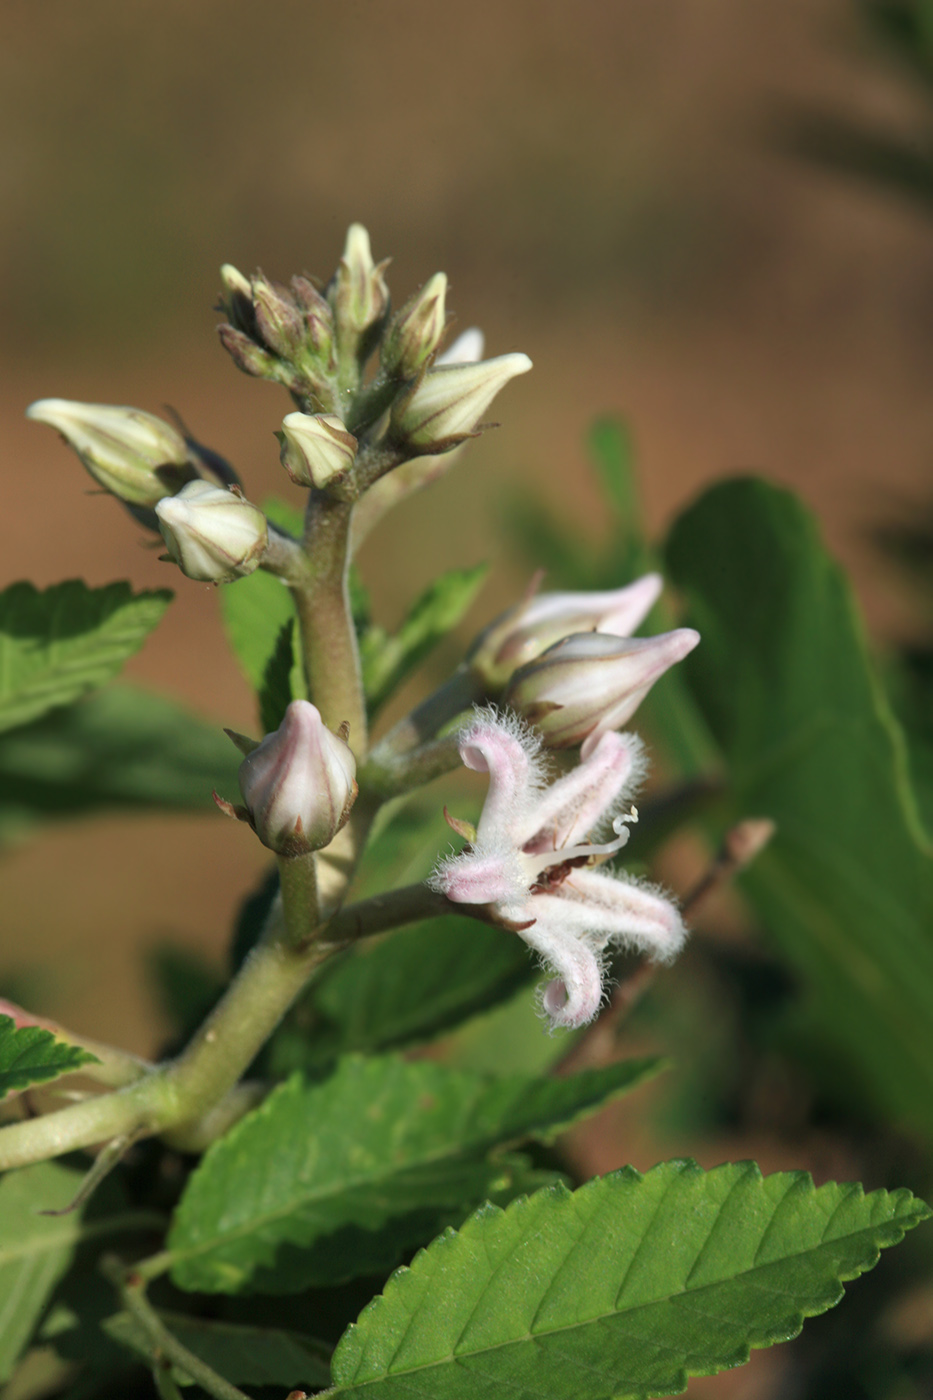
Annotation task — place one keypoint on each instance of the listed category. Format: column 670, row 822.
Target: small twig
column 132, row 1290
column 597, row 1044
column 104, row 1163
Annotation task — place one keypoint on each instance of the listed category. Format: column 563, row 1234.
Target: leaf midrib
column 347, row 1184
column 577, row 1324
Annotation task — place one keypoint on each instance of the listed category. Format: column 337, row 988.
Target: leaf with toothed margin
column 32, row 1055
column 623, row 1288
column 57, row 645
column 327, row 1181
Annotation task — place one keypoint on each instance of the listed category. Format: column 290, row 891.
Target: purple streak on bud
column 591, row 683
column 299, row 784
column 358, row 293
column 133, row 455
column 521, row 634
column 414, row 333
column 247, row 355
column 278, row 320
column 316, row 448
column 446, row 404
column 214, row 535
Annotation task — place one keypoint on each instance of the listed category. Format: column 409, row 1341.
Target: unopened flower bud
column 247, row 355
column 319, row 318
column 357, row 292
column 214, row 535
column 522, row 633
column 593, row 682
column 316, row 448
column 131, row 454
column 299, row 784
column 238, row 301
column 444, row 406
column 415, row 332
column 278, row 320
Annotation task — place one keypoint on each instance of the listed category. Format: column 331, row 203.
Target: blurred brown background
column 608, row 187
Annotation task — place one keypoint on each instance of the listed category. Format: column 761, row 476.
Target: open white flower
column 532, row 861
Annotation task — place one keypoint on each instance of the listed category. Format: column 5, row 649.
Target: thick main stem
column 325, row 621
column 179, row 1095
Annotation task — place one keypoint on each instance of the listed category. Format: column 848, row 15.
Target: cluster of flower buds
column 317, row 343
column 568, row 664
column 298, row 784
column 132, row 454
column 286, row 334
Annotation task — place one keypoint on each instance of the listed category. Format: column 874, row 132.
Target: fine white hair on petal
column 500, row 744
column 625, row 911
column 586, row 798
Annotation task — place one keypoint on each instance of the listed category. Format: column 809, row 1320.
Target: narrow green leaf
column 387, row 660
column 123, row 747
column 610, row 444
column 623, row 1288
column 36, row 1250
column 332, row 1164
column 276, row 692
column 58, row 644
column 32, row 1055
column 785, row 682
column 242, row 1355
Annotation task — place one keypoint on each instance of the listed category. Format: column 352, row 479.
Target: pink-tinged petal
column 592, row 682
column 619, row 911
column 477, row 878
column 524, row 631
column 570, row 808
column 509, row 753
column 573, row 997
column 627, row 608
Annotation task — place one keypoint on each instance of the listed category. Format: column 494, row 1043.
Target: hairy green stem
column 461, row 690
column 166, row 1347
column 180, row 1096
column 394, row 776
column 325, row 622
column 300, row 906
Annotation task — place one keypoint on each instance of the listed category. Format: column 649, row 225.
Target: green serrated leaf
column 57, row 645
column 121, row 748
column 336, row 1162
column 623, row 1288
column 387, row 660
column 242, row 1355
column 254, row 611
column 786, row 685
column 32, row 1055
column 36, row 1249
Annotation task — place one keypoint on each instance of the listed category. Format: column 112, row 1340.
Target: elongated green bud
column 132, row 454
column 446, row 405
